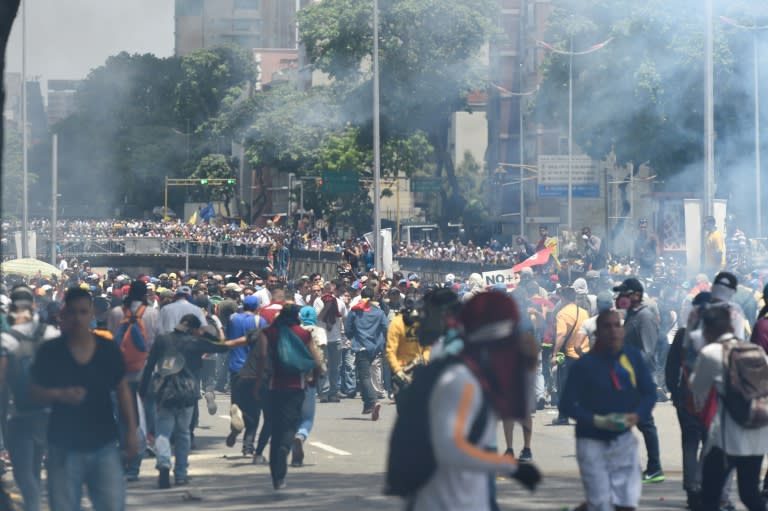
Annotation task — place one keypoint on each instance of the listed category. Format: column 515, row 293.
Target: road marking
column 331, row 449
column 225, row 417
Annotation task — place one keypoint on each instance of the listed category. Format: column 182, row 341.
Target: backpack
column 19, row 371
column 292, row 353
column 132, row 339
column 411, row 460
column 746, row 384
column 173, row 384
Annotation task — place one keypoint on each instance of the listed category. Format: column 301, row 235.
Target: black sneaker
column 541, row 403
column 560, row 421
column 164, row 478
column 525, row 456
column 232, row 438
column 249, row 451
column 279, row 484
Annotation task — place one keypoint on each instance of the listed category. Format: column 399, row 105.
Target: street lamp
column 756, row 84
column 570, row 53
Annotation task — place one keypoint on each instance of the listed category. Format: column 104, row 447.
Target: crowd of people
column 104, row 368
column 220, row 238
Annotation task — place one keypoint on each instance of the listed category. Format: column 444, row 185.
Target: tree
column 12, row 175
column 429, row 52
column 641, row 96
column 216, row 166
column 8, row 10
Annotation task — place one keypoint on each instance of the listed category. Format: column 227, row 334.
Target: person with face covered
column 403, row 351
column 609, row 391
column 490, row 377
column 641, row 331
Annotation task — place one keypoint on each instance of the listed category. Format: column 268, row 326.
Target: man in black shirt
column 76, row 375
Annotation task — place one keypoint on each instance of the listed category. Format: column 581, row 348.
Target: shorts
column 610, row 471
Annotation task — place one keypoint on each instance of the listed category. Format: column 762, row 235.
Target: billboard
column 553, row 177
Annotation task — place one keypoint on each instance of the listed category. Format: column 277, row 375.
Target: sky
column 66, row 39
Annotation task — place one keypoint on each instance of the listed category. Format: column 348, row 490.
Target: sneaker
column 653, row 477
column 324, row 399
column 236, row 418
column 727, row 506
column 541, row 403
column 259, row 459
column 525, row 456
column 297, row 452
column 181, row 481
column 232, row 437
column 164, row 478
column 249, row 451
column 560, row 421
column 210, row 401
column 279, row 484
column 334, row 399
column 375, row 412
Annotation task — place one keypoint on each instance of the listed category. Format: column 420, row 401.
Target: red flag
column 537, row 259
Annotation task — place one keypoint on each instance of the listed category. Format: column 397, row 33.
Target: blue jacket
column 600, row 384
column 366, row 326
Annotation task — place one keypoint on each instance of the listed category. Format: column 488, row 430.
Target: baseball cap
column 604, row 301
column 233, row 286
column 184, row 290
column 629, row 285
column 413, row 276
column 22, row 296
column 251, row 302
column 724, row 286
column 450, row 278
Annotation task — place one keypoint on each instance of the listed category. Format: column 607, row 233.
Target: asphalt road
column 345, row 461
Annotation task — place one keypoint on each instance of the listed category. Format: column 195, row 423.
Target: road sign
column 341, row 182
column 425, row 184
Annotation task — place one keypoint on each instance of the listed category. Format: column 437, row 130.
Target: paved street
column 345, row 460
column 344, row 465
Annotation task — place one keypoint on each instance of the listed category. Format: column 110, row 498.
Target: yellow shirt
column 402, row 344
column 569, row 320
column 714, row 250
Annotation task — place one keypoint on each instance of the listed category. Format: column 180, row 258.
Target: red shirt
column 270, row 312
column 280, row 378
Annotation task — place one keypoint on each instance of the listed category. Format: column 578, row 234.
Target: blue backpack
column 293, row 354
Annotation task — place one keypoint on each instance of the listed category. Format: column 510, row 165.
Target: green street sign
column 425, row 184
column 341, row 182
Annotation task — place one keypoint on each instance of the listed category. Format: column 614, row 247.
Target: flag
column 243, row 225
column 276, row 219
column 193, row 219
column 537, row 259
column 207, row 213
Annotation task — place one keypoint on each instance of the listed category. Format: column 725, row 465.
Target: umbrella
column 29, row 268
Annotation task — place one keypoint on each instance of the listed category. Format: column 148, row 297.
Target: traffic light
column 203, row 181
column 231, row 181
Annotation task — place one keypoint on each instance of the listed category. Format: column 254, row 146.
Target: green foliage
column 429, row 61
column 215, row 166
column 642, row 95
column 141, row 118
column 12, row 165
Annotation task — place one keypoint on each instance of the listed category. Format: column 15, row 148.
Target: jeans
column 222, row 371
column 242, row 396
column 101, row 470
column 562, row 379
column 132, row 466
column 329, row 384
column 377, row 375
column 26, row 445
column 347, row 376
column 307, row 413
column 693, row 437
column 285, row 405
column 173, row 422
column 715, row 469
column 648, row 428
column 363, row 361
column 266, row 428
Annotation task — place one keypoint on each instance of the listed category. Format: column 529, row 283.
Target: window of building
column 245, row 25
column 253, row 5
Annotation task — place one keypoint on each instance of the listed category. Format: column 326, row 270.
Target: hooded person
column 491, row 379
column 475, row 287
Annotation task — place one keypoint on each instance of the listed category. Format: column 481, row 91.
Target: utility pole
column 709, row 113
column 24, row 137
column 378, row 246
column 54, row 195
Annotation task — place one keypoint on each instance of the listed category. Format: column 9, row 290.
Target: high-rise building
column 61, row 99
column 248, row 23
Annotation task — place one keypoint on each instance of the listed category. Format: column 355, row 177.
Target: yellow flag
column 193, row 219
column 243, row 225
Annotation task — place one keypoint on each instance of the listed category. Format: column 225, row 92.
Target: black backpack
column 411, row 461
column 176, row 388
